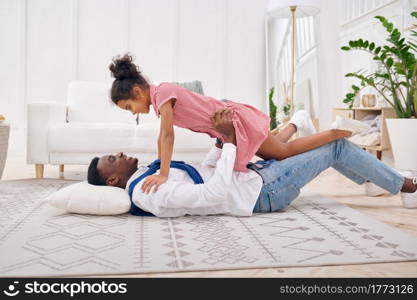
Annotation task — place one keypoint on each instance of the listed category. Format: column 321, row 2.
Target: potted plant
column 277, row 117
column 272, row 110
column 396, row 82
column 4, row 140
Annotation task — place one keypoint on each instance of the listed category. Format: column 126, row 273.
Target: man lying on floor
column 214, row 188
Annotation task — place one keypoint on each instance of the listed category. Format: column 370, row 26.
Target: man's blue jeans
column 284, row 179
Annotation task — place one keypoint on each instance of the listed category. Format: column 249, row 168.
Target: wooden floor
column 386, row 209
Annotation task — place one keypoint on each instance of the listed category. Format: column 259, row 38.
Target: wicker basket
column 4, row 141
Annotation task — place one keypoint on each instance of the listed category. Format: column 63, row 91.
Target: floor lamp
column 292, row 9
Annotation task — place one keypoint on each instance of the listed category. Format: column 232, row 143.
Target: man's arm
column 212, row 157
column 222, row 122
column 176, row 198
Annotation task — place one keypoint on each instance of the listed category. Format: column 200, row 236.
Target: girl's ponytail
column 126, row 75
column 123, row 67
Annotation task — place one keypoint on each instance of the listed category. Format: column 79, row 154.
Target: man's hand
column 222, row 123
column 153, row 181
column 219, row 143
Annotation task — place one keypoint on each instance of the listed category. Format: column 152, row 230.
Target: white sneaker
column 302, row 120
column 354, row 126
column 372, row 190
column 409, row 200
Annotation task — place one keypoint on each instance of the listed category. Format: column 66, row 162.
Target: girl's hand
column 153, row 181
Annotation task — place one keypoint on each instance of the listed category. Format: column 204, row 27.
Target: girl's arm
column 165, row 147
column 166, row 136
column 159, row 145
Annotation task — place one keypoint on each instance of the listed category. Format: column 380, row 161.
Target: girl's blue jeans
column 282, row 180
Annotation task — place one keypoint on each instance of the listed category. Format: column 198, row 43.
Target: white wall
column 367, row 27
column 12, row 91
column 307, row 85
column 329, row 72
column 47, row 43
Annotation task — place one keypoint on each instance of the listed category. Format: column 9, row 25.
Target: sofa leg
column 39, row 170
column 61, row 171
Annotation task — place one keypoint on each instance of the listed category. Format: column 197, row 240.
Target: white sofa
column 90, row 125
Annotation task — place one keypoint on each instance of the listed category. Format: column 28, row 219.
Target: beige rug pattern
column 39, row 240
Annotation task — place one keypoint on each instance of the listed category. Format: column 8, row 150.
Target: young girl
column 178, row 106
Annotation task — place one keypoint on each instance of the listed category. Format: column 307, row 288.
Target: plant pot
column 403, row 137
column 4, row 141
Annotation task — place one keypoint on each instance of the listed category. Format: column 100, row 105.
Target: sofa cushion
column 194, row 86
column 90, row 102
column 80, row 137
column 146, row 139
column 84, row 137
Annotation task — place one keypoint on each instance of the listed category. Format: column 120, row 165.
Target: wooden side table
column 4, row 142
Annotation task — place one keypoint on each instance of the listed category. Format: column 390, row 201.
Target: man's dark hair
column 93, row 175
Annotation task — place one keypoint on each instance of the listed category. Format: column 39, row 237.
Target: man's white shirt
column 224, row 191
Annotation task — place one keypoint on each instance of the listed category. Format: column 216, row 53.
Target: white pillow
column 85, row 198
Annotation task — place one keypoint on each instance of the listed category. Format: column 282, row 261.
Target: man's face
column 117, row 169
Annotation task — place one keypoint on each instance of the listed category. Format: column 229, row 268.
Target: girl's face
column 139, row 104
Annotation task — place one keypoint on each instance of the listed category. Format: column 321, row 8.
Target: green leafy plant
column 286, row 109
column 396, row 81
column 272, row 110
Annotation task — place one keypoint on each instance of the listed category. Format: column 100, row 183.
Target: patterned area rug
column 39, row 240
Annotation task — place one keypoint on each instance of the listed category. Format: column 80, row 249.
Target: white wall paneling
column 49, row 49
column 13, row 68
column 202, row 38
column 74, row 46
column 100, row 36
column 355, row 10
column 307, row 93
column 48, row 43
column 245, row 81
column 329, row 72
column 153, row 37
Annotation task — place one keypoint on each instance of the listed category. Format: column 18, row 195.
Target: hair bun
column 123, row 67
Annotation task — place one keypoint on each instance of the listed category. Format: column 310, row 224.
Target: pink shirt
column 193, row 111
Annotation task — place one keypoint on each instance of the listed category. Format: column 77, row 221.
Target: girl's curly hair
column 126, row 75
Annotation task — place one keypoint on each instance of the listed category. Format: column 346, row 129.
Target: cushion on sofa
column 194, row 86
column 90, row 102
column 82, row 137
column 78, row 137
column 146, row 139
